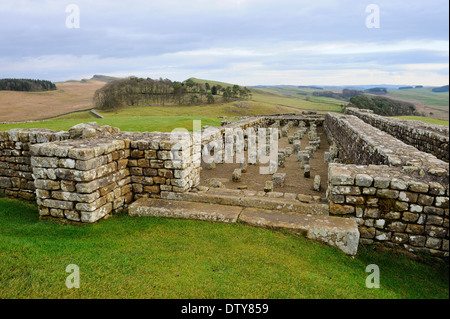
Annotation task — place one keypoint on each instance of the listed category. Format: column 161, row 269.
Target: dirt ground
column 68, row 97
column 295, row 181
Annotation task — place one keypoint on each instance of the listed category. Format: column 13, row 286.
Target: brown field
column 25, row 106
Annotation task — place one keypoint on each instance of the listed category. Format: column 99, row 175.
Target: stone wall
column 398, row 194
column 362, row 144
column 392, row 208
column 429, row 138
column 82, row 180
column 163, row 162
column 16, row 177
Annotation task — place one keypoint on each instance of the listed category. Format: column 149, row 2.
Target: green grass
column 126, row 123
column 125, row 257
column 159, row 118
column 424, row 119
column 288, row 97
column 424, row 95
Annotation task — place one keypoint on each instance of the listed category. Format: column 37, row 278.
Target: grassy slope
column 433, row 105
column 126, row 257
column 424, row 95
column 289, row 97
column 69, row 96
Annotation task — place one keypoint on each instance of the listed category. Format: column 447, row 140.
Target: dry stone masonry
column 16, row 172
column 398, row 195
column 387, row 179
column 426, row 137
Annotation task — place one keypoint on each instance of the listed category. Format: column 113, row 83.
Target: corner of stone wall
column 82, row 180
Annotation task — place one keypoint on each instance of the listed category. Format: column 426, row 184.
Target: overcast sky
column 248, row 42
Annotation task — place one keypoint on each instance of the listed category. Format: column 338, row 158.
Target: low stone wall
column 163, row 162
column 398, row 194
column 392, row 208
column 362, row 144
column 429, row 138
column 16, row 177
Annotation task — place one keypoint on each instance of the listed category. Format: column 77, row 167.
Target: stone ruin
column 387, row 183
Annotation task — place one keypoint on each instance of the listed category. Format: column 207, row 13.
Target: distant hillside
column 103, row 78
column 377, row 91
column 440, row 89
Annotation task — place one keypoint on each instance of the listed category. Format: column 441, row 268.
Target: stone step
column 238, row 198
column 185, row 210
column 338, row 232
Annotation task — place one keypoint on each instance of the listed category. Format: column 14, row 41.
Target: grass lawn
column 125, row 257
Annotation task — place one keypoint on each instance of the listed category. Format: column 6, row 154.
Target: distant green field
column 291, row 97
column 424, row 119
column 424, row 95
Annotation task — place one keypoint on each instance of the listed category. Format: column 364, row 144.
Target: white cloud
column 243, row 41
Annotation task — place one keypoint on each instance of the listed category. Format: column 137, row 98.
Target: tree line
column 28, row 85
column 134, row 91
column 383, row 106
column 345, row 95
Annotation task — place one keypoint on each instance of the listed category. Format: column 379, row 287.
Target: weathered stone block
column 337, row 209
column 81, row 154
column 237, row 175
column 410, row 217
column 418, row 241
column 388, row 193
column 316, row 183
column 418, row 187
column 382, row 236
column 51, row 203
column 401, row 206
column 398, row 227
column 435, row 231
column 371, row 213
column 399, row 238
column 433, row 243
column 425, row 200
column 433, row 210
column 268, row 186
column 340, row 176
column 415, row 229
column 367, row 232
column 408, row 197
column 278, row 179
column 363, row 180
column 442, row 202
column 381, row 182
column 49, row 162
column 47, row 184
